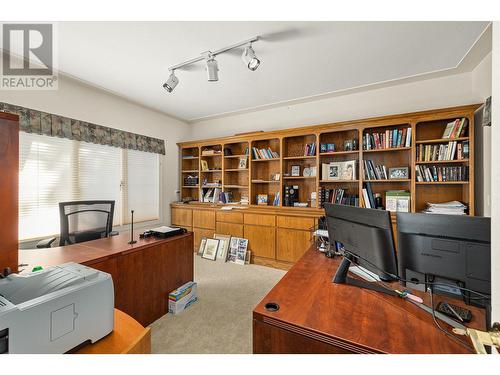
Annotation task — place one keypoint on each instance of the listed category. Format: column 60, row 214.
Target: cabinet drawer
column 294, row 222
column 204, row 219
column 229, row 217
column 261, row 240
column 255, row 219
column 199, row 234
column 292, row 244
column 182, row 217
column 235, row 230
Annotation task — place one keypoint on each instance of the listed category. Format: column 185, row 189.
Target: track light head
column 249, row 58
column 172, row 81
column 212, row 69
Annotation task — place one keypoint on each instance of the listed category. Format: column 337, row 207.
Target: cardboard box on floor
column 180, row 298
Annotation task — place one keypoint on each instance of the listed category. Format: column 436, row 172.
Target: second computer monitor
column 366, row 235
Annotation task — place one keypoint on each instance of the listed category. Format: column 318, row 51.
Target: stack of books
column 452, row 151
column 433, row 173
column 310, row 149
column 337, row 196
column 375, row 172
column 456, row 128
column 264, row 153
column 389, row 139
column 448, row 208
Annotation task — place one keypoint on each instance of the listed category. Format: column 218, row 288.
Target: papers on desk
column 163, row 229
column 228, row 208
column 448, row 208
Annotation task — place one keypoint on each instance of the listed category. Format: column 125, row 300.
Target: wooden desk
column 128, row 337
column 143, row 273
column 317, row 316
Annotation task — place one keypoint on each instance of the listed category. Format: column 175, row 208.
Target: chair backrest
column 85, row 220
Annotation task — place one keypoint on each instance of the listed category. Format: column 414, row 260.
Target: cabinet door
column 199, row 234
column 292, row 244
column 235, row 230
column 204, row 219
column 182, row 217
column 261, row 240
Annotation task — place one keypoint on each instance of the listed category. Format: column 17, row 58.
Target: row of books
column 375, row 172
column 439, row 173
column 389, row 139
column 264, row 153
column 337, row 196
column 456, row 128
column 369, row 198
column 452, row 151
column 310, row 149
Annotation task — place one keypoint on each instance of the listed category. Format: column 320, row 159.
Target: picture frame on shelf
column 398, row 173
column 295, row 172
column 242, row 164
column 331, row 147
column 334, row 170
column 210, row 250
column 262, row 199
column 224, row 242
column 204, row 165
column 348, row 170
column 275, row 177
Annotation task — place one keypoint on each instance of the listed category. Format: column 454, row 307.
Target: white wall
column 415, row 96
column 82, row 102
column 495, row 175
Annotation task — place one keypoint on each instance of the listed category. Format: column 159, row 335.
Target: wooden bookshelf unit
column 293, row 152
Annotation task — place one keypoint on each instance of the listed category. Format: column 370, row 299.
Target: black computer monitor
column 448, row 250
column 366, row 235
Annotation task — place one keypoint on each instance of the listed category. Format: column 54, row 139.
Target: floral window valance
column 33, row 121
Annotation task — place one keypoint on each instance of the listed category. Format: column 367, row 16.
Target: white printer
column 55, row 310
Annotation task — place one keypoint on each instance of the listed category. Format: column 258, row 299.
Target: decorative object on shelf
column 314, row 197
column 295, row 171
column 275, row 177
column 210, row 250
column 306, row 172
column 227, row 151
column 190, row 180
column 398, row 173
column 348, row 146
column 397, row 200
column 202, row 246
column 242, row 164
column 276, row 201
column 291, row 195
column 262, row 199
column 331, row 147
column 204, row 165
column 210, row 152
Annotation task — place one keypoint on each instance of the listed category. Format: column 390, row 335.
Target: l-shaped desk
column 143, row 273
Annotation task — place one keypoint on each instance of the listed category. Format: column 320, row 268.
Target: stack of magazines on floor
column 448, row 208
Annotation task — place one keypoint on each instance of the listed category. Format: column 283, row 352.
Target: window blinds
column 53, row 170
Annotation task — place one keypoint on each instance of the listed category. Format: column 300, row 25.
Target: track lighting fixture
column 249, row 58
column 212, row 68
column 172, row 81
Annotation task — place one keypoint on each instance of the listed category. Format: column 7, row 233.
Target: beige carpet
column 221, row 320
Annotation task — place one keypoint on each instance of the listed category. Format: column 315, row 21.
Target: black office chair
column 83, row 221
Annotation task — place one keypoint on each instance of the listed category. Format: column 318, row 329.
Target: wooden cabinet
column 295, row 222
column 182, row 217
column 235, row 230
column 292, row 244
column 204, row 219
column 199, row 233
column 9, row 180
column 261, row 240
column 258, row 219
column 229, row 217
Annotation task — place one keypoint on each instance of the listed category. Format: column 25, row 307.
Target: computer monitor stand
column 342, row 278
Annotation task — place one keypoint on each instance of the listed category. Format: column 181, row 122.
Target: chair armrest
column 114, row 233
column 46, row 243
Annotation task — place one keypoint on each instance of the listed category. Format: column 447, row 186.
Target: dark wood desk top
column 352, row 318
column 88, row 252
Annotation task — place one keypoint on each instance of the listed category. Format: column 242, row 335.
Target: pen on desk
column 453, row 311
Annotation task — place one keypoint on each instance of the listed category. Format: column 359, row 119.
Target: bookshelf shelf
column 191, row 187
column 236, row 186
column 211, row 156
column 237, row 170
column 264, row 182
column 338, row 181
column 235, row 156
column 387, row 149
column 388, row 181
column 443, row 161
column 212, row 171
column 273, row 159
column 442, row 140
column 299, row 157
column 442, row 183
column 298, row 177
column 190, row 171
column 339, row 153
column 190, row 158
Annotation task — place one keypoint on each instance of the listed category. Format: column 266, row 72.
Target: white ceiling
column 299, row 59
